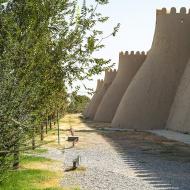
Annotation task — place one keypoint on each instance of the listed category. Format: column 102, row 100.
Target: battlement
column 100, row 83
column 132, row 53
column 110, row 71
column 172, row 11
column 109, row 75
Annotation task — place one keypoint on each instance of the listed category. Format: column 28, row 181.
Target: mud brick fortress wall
column 129, row 64
column 152, row 91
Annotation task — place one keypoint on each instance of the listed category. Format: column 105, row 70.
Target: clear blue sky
column 137, row 18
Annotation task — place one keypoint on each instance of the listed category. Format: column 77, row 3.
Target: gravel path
column 105, row 170
column 108, row 167
column 125, row 161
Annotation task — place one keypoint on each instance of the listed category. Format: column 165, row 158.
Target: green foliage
column 78, row 103
column 44, row 47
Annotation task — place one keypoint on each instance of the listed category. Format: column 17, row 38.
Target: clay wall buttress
column 129, row 63
column 98, row 88
column 148, row 99
column 179, row 119
column 109, row 77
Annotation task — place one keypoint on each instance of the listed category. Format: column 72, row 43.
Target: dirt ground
column 146, row 142
column 137, row 159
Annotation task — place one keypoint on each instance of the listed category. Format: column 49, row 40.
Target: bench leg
column 74, row 165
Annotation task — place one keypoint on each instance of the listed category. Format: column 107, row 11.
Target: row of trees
column 77, row 103
column 44, row 47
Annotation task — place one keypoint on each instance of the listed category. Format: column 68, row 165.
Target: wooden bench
column 73, row 139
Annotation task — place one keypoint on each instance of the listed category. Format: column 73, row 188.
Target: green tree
column 44, row 46
column 77, row 103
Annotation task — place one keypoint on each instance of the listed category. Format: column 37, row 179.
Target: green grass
column 33, row 179
column 27, row 159
column 26, row 179
column 38, row 151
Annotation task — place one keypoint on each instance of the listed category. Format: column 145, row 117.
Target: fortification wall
column 109, row 77
column 98, row 87
column 179, row 119
column 148, row 99
column 129, row 63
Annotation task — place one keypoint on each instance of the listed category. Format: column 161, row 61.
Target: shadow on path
column 163, row 163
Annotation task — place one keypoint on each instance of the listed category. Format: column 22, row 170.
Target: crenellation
column 131, row 53
column 110, row 73
column 106, row 73
column 183, row 10
column 121, row 53
column 126, row 53
column 158, row 12
column 161, row 11
column 173, row 10
column 164, row 10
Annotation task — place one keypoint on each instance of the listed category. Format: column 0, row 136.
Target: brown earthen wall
column 109, row 77
column 179, row 119
column 148, row 99
column 98, row 88
column 128, row 66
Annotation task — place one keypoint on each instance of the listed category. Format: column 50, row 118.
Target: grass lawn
column 38, row 173
column 37, row 151
column 35, row 173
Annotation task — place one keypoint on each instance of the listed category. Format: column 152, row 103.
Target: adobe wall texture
column 129, row 63
column 98, row 88
column 148, row 99
column 179, row 119
column 109, row 77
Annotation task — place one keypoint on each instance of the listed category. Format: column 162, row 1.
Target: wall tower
column 129, row 63
column 109, row 77
column 148, row 99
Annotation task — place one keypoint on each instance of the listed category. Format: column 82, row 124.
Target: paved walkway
column 176, row 136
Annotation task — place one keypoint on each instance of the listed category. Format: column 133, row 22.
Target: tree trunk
column 16, row 156
column 46, row 126
column 50, row 125
column 16, row 147
column 42, row 132
column 58, row 132
column 33, row 139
